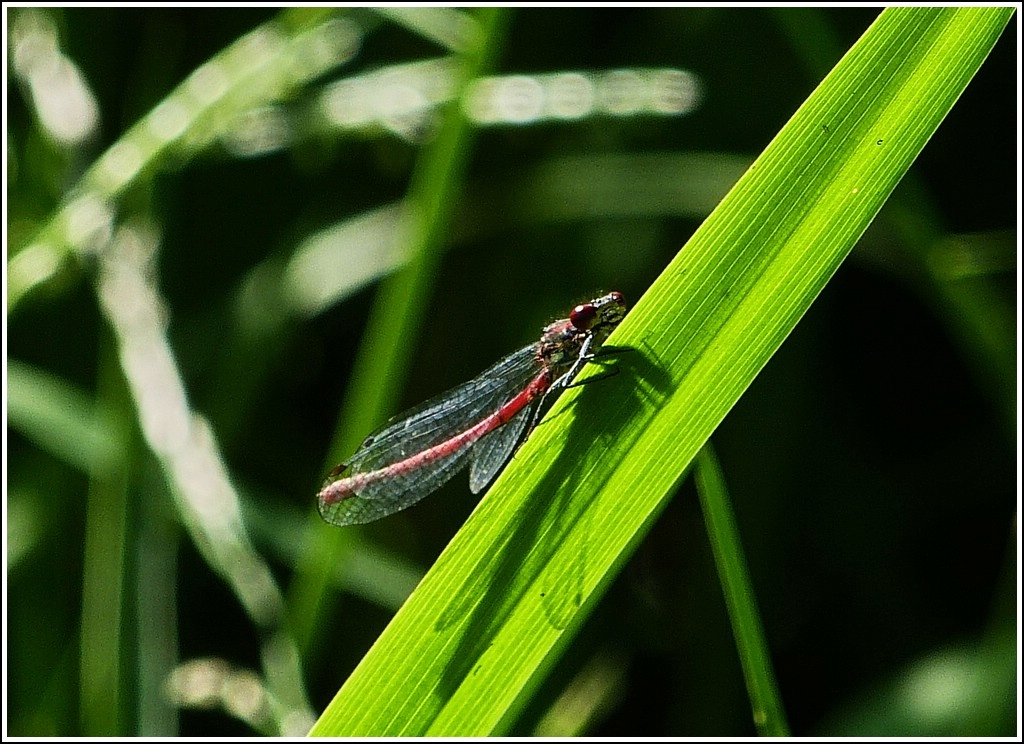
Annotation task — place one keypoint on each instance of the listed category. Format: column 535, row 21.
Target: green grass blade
column 269, row 64
column 60, row 418
column 768, row 713
column 105, row 558
column 474, row 640
column 384, row 359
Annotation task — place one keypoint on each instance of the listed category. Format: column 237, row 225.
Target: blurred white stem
column 187, row 450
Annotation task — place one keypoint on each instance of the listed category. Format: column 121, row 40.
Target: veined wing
column 418, row 451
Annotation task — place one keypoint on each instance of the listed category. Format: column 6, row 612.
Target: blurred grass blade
column 472, row 643
column 337, row 261
column 60, row 418
column 383, row 361
column 266, row 65
column 449, row 27
column 731, row 564
column 104, row 639
column 189, row 456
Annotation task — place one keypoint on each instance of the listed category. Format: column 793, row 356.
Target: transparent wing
column 493, row 450
column 398, row 474
column 402, row 490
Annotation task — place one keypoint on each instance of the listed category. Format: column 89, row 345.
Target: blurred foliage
column 195, row 229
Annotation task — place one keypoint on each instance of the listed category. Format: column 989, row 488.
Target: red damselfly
column 477, row 423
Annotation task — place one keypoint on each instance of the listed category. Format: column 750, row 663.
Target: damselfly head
column 604, row 311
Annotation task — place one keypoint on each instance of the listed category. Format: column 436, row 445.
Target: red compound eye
column 582, row 316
